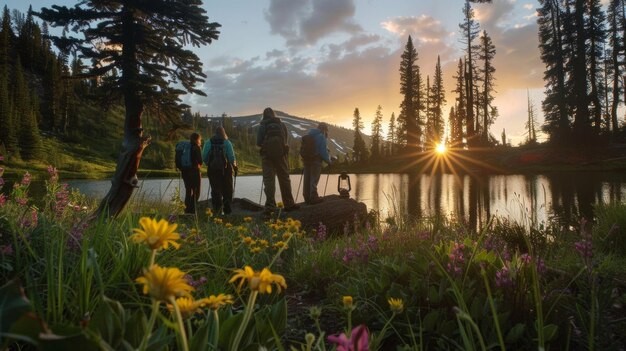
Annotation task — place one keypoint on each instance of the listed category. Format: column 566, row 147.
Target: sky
column 321, row 59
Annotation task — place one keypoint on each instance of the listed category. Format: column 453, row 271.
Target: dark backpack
column 307, row 148
column 217, row 155
column 183, row 155
column 274, row 142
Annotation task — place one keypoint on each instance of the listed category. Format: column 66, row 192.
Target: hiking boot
column 292, row 208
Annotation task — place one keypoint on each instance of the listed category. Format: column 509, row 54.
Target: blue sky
column 322, row 58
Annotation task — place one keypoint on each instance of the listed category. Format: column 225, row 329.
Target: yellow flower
column 258, row 281
column 163, row 283
column 248, row 240
column 187, row 306
column 264, row 242
column 241, row 229
column 218, row 220
column 280, row 205
column 157, row 235
column 215, row 302
column 247, row 219
column 286, row 235
column 255, row 250
column 280, row 244
column 396, row 305
column 209, row 212
column 347, row 302
column 228, row 225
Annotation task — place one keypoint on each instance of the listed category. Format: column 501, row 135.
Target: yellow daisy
column 163, row 283
column 218, row 220
column 258, row 281
column 228, row 225
column 347, row 302
column 187, row 306
column 255, row 250
column 247, row 219
column 280, row 205
column 215, row 302
column 156, row 235
column 396, row 305
column 209, row 212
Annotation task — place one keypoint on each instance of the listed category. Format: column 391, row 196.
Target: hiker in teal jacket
column 313, row 164
column 219, row 156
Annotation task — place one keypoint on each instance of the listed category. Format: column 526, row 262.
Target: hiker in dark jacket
column 272, row 139
column 313, row 163
column 191, row 175
column 219, row 156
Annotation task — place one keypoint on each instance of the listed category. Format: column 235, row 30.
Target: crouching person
column 219, row 156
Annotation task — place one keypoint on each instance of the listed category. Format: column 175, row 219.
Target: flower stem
column 155, row 310
column 246, row 319
column 152, row 258
column 216, row 320
column 181, row 325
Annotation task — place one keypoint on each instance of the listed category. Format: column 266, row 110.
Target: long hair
column 194, row 137
column 221, row 132
column 268, row 113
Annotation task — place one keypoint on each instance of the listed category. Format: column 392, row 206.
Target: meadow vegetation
column 153, row 279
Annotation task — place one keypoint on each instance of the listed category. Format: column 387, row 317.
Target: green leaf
column 13, row 305
column 200, row 339
column 430, row 320
column 515, row 333
column 135, row 328
column 69, row 338
column 108, row 321
column 549, row 331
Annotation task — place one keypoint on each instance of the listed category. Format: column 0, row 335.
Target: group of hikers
column 219, row 157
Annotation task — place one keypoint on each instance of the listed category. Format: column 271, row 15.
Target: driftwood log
column 334, row 212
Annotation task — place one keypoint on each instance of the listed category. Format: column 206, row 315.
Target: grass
column 505, row 287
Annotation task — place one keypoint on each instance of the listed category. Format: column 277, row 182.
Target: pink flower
column 26, row 179
column 358, row 340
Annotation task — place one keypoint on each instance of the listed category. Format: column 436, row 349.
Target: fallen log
column 336, row 213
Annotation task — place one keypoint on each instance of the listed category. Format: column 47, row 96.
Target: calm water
column 518, row 197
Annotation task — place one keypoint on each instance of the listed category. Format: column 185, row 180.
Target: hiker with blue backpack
column 272, row 139
column 189, row 161
column 219, row 156
column 313, row 151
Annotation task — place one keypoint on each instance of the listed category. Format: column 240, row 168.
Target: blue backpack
column 183, row 155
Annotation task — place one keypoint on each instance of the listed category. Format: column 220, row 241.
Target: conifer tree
column 582, row 125
column 8, row 137
column 531, row 122
column 438, row 97
column 460, row 101
column 428, row 117
column 25, row 111
column 391, row 134
column 377, row 130
column 147, row 42
column 469, row 32
column 360, row 152
column 616, row 36
column 486, row 55
column 412, row 103
column 596, row 32
column 455, row 128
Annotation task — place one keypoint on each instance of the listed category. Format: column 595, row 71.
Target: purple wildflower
column 321, row 232
column 526, row 258
column 256, row 231
column 6, row 250
column 26, row 179
column 75, row 238
column 503, row 278
column 3, row 200
column 1, row 181
column 54, row 174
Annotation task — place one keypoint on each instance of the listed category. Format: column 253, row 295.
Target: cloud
column 305, row 22
column 352, row 44
column 423, row 28
column 529, row 6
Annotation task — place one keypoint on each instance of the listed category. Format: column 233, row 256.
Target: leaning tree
column 140, row 52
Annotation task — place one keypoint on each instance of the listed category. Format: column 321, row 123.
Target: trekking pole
column 299, row 183
column 261, row 194
column 327, row 174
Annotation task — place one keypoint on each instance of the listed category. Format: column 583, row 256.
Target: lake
column 522, row 198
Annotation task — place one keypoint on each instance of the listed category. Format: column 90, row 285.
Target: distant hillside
column 341, row 139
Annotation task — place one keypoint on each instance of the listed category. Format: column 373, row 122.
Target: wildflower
column 526, row 258
column 358, row 340
column 264, row 242
column 209, row 212
column 255, row 250
column 280, row 205
column 187, row 306
column 228, row 225
column 347, row 302
column 157, row 235
column 315, row 312
column 218, row 220
column 258, row 281
column 286, row 235
column 321, row 232
column 54, row 174
column 6, row 250
column 215, row 302
column 584, row 248
column 503, row 278
column 396, row 305
column 248, row 240
column 164, row 283
column 247, row 219
column 26, row 179
column 195, row 283
column 280, row 245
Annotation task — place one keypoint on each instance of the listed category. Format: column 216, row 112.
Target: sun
column 440, row 149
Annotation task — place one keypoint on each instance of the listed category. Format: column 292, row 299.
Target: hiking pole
column 261, row 194
column 299, row 183
column 327, row 174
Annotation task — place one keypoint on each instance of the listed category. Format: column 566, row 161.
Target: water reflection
column 523, row 198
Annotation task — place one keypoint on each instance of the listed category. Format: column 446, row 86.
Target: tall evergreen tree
column 377, row 133
column 455, row 127
column 147, row 41
column 411, row 89
column 616, row 36
column 25, row 111
column 428, row 117
column 551, row 43
column 469, row 32
column 8, row 137
column 582, row 125
column 531, row 122
column 391, row 134
column 486, row 55
column 360, row 152
column 438, row 97
column 596, row 34
column 460, row 102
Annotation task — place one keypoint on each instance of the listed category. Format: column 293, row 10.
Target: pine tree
column 455, row 127
column 460, row 102
column 391, row 134
column 551, row 43
column 148, row 43
column 596, row 34
column 428, row 117
column 8, row 137
column 616, row 37
column 438, row 97
column 411, row 89
column 486, row 55
column 582, row 125
column 531, row 122
column 360, row 152
column 377, row 130
column 25, row 111
column 469, row 32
